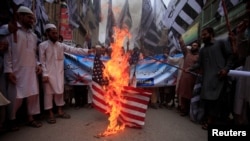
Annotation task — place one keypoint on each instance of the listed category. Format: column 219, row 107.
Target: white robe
column 21, row 59
column 52, row 60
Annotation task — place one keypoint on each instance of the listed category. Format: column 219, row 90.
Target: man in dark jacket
column 215, row 61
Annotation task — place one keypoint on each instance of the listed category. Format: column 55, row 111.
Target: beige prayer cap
column 98, row 46
column 23, row 9
column 47, row 26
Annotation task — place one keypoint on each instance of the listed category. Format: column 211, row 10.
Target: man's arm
column 80, row 51
column 8, row 28
column 42, row 59
column 8, row 66
column 4, row 31
column 229, row 57
column 198, row 64
column 183, row 46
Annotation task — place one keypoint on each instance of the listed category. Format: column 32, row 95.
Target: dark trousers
column 167, row 94
column 80, row 95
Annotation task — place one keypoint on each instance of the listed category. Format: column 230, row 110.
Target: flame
column 117, row 72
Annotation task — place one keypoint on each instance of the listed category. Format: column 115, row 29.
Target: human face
column 206, row 37
column 27, row 20
column 194, row 47
column 53, row 34
column 167, row 51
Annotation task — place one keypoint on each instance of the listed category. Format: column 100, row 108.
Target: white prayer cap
column 98, row 46
column 47, row 26
column 23, row 9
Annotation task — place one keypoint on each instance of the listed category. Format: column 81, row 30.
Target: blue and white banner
column 78, row 69
column 155, row 72
column 149, row 72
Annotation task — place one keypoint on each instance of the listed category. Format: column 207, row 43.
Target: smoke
column 135, row 11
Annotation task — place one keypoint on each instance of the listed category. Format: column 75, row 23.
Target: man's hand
column 100, row 50
column 38, row 69
column 181, row 42
column 45, row 79
column 12, row 78
column 91, row 51
column 12, row 27
column 222, row 73
column 242, row 26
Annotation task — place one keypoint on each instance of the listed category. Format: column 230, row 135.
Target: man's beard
column 194, row 51
column 53, row 39
column 206, row 40
column 28, row 26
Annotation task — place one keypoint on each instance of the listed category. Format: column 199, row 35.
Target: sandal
column 51, row 120
column 13, row 126
column 64, row 116
column 35, row 124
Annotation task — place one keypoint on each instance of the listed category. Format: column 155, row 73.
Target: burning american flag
column 125, row 105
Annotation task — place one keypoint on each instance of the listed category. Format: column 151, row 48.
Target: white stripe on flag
column 186, row 17
column 153, row 31
column 195, row 5
column 98, row 97
column 134, row 112
column 152, row 43
column 131, row 120
column 178, row 28
column 137, row 104
column 134, row 105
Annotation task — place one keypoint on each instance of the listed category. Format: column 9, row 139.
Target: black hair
column 198, row 43
column 210, row 30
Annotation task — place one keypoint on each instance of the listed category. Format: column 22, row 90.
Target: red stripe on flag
column 137, row 100
column 139, row 109
column 98, row 98
column 130, row 121
column 138, row 90
column 134, row 106
column 133, row 116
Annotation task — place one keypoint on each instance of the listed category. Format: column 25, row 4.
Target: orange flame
column 117, row 72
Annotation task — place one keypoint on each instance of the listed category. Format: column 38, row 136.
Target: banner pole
column 193, row 73
column 228, row 25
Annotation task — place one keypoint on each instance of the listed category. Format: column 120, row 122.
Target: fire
column 117, row 72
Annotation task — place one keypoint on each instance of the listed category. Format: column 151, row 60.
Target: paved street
column 85, row 124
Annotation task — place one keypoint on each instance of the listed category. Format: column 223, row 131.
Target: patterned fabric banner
column 65, row 29
column 150, row 72
column 155, row 72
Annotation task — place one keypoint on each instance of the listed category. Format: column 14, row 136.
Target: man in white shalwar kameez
column 51, row 54
column 22, row 67
column 3, row 101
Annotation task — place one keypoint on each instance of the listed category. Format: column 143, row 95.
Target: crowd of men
column 23, row 60
column 223, row 99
